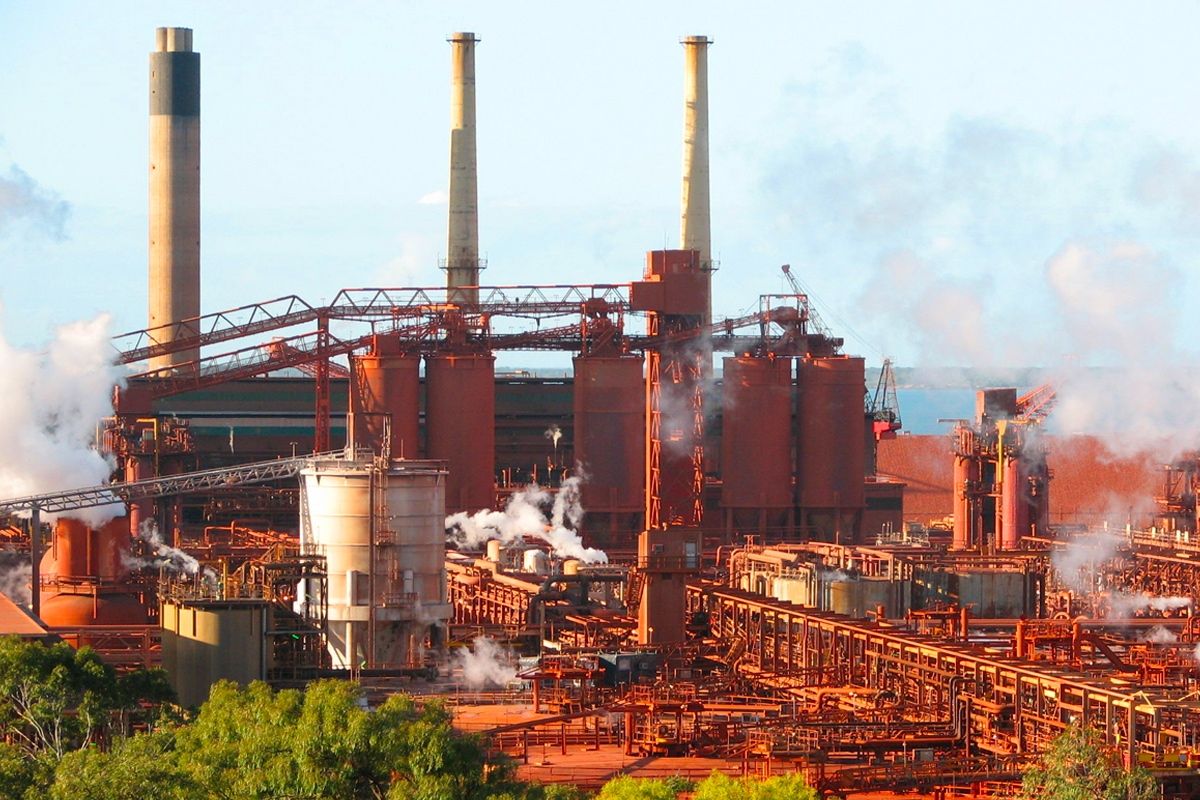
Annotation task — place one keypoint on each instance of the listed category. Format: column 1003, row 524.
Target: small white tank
column 537, row 562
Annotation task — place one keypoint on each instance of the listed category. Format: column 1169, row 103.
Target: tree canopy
column 1079, row 765
column 55, row 699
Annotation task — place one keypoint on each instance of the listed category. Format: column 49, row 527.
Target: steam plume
column 54, row 399
column 160, row 554
column 23, row 201
column 524, row 515
column 485, row 664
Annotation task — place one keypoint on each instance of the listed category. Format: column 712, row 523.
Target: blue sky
column 956, row 183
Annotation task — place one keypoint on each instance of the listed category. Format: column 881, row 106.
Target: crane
column 884, row 406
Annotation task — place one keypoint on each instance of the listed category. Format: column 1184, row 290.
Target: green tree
column 1079, row 765
column 718, row 786
column 17, row 771
column 140, row 766
column 623, row 787
column 324, row 743
column 55, row 698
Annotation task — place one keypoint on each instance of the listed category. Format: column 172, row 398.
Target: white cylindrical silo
column 382, row 533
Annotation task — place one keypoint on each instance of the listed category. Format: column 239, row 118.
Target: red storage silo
column 386, row 388
column 460, row 426
column 830, row 451
column 756, row 440
column 610, row 436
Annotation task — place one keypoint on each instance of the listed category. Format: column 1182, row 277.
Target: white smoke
column 525, row 515
column 24, row 202
column 553, row 433
column 1075, row 564
column 15, row 582
column 998, row 244
column 160, row 555
column 485, row 664
column 1122, row 605
column 1159, row 635
column 55, row 397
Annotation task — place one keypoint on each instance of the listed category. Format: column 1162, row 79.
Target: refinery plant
column 710, row 540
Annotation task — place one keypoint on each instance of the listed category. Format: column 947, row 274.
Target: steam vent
column 708, row 538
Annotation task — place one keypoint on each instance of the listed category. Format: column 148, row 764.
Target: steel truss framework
column 1010, row 706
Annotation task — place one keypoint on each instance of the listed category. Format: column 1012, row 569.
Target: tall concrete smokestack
column 695, row 230
column 174, row 185
column 695, row 226
column 462, row 254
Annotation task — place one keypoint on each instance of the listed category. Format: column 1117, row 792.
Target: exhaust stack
column 174, row 188
column 695, row 231
column 462, row 254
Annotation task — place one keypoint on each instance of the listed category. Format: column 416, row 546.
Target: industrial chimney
column 462, row 254
column 174, row 188
column 695, row 231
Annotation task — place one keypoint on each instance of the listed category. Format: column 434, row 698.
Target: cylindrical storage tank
column 966, row 479
column 74, row 610
column 415, row 516
column 394, row 563
column 109, row 550
column 610, row 432
column 756, row 433
column 830, row 456
column 85, row 553
column 1014, row 504
column 493, row 550
column 70, row 550
column 537, row 562
column 460, row 426
column 386, row 389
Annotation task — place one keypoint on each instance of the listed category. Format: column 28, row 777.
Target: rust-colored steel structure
column 830, row 445
column 674, row 295
column 756, row 443
column 385, row 400
column 1001, row 476
column 996, row 703
column 80, row 576
column 460, row 407
column 966, row 492
column 610, row 424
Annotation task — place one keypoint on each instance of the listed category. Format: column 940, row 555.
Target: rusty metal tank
column 91, row 606
column 83, row 565
column 610, row 432
column 830, row 447
column 385, row 388
column 756, row 436
column 82, row 553
column 460, row 426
